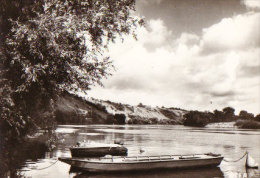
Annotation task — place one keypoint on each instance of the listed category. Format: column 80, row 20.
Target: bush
column 153, row 120
column 257, row 118
column 120, row 118
column 196, row 119
column 247, row 124
column 137, row 120
column 169, row 114
column 110, row 119
column 245, row 115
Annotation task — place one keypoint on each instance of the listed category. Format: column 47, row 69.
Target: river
column 232, row 143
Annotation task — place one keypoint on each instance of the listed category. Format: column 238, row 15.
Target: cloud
column 236, row 33
column 223, row 94
column 252, row 4
column 127, row 83
column 177, row 73
column 250, row 71
column 155, row 34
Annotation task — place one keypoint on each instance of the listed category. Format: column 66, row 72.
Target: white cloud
column 252, row 3
column 176, row 74
column 237, row 33
column 155, row 34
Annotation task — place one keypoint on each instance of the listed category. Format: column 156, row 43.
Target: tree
column 55, row 46
column 196, row 118
column 245, row 115
column 257, row 118
column 229, row 113
column 228, row 110
column 218, row 116
column 51, row 46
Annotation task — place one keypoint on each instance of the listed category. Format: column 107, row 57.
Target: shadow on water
column 211, row 172
column 15, row 155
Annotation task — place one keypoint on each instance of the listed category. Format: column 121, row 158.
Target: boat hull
column 98, row 151
column 94, row 166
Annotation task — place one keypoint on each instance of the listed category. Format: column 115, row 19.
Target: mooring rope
column 47, row 166
column 237, row 159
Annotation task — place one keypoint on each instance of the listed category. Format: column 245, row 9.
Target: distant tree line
column 201, row 119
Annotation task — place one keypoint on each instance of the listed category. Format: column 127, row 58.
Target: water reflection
column 154, row 140
column 198, row 173
column 250, row 173
column 17, row 155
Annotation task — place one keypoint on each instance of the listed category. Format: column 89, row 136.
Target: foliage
column 226, row 115
column 140, row 105
column 135, row 119
column 120, row 118
column 196, row 118
column 248, row 124
column 115, row 119
column 62, row 47
column 51, row 46
column 218, row 116
column 58, row 46
column 69, row 117
column 168, row 113
column 245, row 115
column 257, row 118
column 228, row 110
column 118, row 106
column 229, row 114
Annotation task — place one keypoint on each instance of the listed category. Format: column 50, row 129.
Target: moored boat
column 97, row 150
column 139, row 163
column 250, row 162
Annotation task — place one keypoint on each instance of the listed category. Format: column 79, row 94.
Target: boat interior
column 109, row 158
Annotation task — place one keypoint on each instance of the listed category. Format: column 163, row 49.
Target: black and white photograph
column 129, row 88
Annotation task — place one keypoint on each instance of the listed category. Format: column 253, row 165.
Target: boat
column 250, row 162
column 85, row 149
column 140, row 163
column 204, row 172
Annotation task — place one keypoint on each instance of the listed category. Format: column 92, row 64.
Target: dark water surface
column 154, row 140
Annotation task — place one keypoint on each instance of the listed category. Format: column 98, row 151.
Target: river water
column 232, row 143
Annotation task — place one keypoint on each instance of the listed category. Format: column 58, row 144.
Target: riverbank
column 73, row 109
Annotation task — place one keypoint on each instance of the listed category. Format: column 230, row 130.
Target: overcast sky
column 192, row 54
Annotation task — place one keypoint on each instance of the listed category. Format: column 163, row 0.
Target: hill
column 78, row 110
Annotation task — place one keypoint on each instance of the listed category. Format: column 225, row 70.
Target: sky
column 191, row 54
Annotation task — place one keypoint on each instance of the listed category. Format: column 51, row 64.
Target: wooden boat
column 139, row 163
column 204, row 172
column 97, row 150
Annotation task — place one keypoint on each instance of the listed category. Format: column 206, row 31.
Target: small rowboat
column 97, row 150
column 139, row 163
